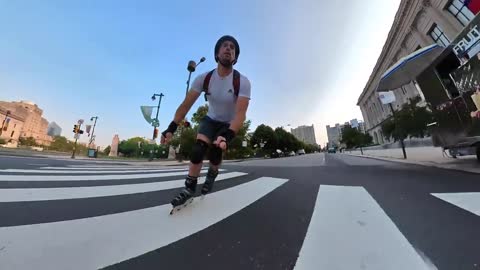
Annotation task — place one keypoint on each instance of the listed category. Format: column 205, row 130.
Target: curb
column 420, row 163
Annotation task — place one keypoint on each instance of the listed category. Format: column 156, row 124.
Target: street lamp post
column 191, row 68
column 156, row 123
column 92, row 137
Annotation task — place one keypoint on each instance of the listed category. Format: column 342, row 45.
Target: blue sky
column 307, row 60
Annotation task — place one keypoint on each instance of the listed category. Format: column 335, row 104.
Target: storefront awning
column 409, row 67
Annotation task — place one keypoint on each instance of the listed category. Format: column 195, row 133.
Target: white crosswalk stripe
column 46, row 194
column 111, row 168
column 13, row 177
column 97, row 242
column 85, row 171
column 469, row 201
column 349, row 230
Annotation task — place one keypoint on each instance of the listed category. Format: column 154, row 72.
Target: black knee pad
column 198, row 152
column 215, row 155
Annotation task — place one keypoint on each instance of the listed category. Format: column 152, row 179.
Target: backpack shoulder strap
column 206, row 83
column 236, row 82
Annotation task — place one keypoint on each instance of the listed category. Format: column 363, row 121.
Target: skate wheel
column 180, row 207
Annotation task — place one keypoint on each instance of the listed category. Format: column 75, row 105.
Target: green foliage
column 61, row 144
column 30, row 141
column 2, row 141
column 410, row 121
column 264, row 134
column 199, row 114
column 133, row 146
column 353, row 138
column 187, row 140
column 236, row 150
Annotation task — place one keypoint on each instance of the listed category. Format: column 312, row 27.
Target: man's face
column 226, row 54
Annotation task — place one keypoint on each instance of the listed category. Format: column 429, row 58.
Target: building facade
column 333, row 134
column 305, row 134
column 54, row 129
column 11, row 125
column 417, row 24
column 34, row 125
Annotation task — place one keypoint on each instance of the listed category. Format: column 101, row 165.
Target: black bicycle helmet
column 227, row 38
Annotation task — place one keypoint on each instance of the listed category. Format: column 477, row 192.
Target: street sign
column 155, row 123
column 386, row 97
column 77, row 136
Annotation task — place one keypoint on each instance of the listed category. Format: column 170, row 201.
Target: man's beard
column 226, row 63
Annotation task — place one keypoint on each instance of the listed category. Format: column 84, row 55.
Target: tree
column 199, row 114
column 264, row 134
column 2, row 141
column 30, row 141
column 187, row 140
column 236, row 148
column 353, row 138
column 130, row 147
column 61, row 144
column 287, row 141
column 411, row 121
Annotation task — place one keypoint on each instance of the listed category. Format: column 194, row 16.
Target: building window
column 11, row 135
column 464, row 10
column 438, row 36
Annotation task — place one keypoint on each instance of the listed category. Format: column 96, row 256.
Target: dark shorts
column 210, row 127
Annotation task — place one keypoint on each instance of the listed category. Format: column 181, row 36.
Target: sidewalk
column 432, row 157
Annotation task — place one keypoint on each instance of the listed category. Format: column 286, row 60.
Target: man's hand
column 166, row 138
column 168, row 133
column 221, row 142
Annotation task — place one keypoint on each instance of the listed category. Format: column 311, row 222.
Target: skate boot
column 209, row 180
column 186, row 195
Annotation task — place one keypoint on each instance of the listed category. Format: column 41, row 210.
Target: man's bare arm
column 186, row 105
column 240, row 114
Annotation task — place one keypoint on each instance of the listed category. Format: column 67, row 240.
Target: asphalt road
column 306, row 212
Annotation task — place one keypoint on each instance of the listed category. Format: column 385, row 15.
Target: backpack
column 236, row 82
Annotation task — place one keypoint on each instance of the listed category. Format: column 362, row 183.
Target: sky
column 307, row 60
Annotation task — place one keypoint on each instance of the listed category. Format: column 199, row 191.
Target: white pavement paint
column 27, row 178
column 349, row 230
column 118, row 168
column 84, row 171
column 96, row 242
column 467, row 201
column 47, row 194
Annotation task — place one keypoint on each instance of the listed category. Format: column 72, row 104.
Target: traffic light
column 155, row 133
column 80, row 131
column 75, row 129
